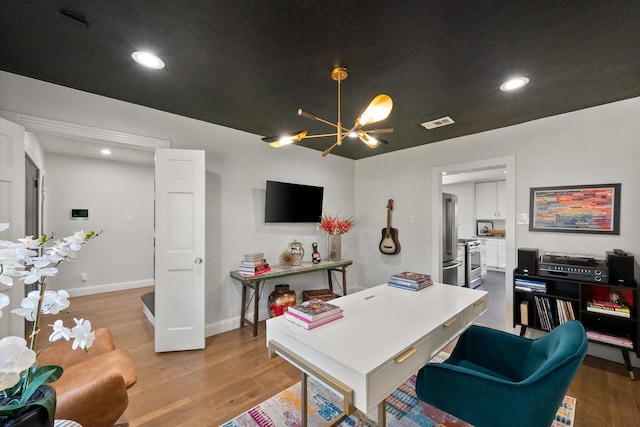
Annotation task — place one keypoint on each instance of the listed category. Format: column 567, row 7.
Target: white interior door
column 12, row 178
column 179, row 250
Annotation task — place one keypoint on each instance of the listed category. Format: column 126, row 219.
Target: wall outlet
column 83, row 276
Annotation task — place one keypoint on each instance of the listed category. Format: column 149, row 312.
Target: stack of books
column 409, row 280
column 528, row 285
column 610, row 339
column 607, row 307
column 311, row 314
column 254, row 264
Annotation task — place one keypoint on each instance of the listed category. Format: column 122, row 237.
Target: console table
column 386, row 335
column 280, row 271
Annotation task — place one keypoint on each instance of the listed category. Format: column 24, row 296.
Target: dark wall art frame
column 593, row 209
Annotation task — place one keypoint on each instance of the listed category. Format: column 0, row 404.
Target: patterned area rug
column 323, row 405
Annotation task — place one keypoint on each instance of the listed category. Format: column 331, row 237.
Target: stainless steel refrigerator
column 450, row 259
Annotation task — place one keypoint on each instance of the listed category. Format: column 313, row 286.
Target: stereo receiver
column 574, row 267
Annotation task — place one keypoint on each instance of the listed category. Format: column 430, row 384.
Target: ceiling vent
column 438, row 123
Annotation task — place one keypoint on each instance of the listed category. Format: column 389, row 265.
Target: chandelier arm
column 312, row 116
column 328, row 150
column 320, row 135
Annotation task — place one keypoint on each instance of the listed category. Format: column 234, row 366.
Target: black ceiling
column 250, row 64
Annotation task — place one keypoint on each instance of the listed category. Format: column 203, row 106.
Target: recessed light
column 147, row 59
column 105, row 152
column 513, row 84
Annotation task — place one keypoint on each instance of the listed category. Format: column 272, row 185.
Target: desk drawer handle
column 479, row 302
column 450, row 322
column 404, row 356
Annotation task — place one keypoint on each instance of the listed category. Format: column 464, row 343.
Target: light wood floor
column 233, row 373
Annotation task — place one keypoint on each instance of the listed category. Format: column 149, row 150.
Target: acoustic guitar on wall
column 389, row 244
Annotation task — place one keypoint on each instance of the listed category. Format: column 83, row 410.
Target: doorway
column 501, row 315
column 31, row 198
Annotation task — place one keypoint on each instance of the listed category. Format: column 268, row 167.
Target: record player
column 574, row 267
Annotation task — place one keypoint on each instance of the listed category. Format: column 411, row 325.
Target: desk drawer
column 475, row 310
column 446, row 332
column 386, row 379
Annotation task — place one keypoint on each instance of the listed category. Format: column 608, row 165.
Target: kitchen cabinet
column 490, row 200
column 496, row 254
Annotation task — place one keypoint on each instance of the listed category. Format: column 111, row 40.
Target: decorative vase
column 280, row 299
column 297, row 251
column 39, row 411
column 334, row 247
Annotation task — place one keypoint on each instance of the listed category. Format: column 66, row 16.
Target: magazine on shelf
column 530, row 285
column 609, row 339
column 308, row 324
column 314, row 309
column 621, row 311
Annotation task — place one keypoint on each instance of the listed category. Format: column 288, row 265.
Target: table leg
column 303, row 396
column 256, row 300
column 382, row 413
column 330, row 279
column 344, row 280
column 627, row 362
column 243, row 307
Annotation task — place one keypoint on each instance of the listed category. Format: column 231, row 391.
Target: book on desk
column 314, row 310
column 311, row 324
column 410, row 281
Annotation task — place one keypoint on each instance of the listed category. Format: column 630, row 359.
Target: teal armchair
column 494, row 378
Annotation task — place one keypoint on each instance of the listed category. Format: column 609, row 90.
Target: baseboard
column 110, row 287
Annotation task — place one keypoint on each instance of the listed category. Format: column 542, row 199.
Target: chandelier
column 378, row 110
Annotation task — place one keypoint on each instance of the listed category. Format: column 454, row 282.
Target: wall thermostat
column 80, row 213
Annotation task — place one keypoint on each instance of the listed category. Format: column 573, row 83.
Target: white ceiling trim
column 59, row 128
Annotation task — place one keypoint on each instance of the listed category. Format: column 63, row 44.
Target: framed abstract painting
column 593, row 209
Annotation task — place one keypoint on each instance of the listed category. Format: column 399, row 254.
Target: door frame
column 507, row 162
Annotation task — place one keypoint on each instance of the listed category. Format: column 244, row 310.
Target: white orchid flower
column 60, row 251
column 59, row 331
column 29, row 242
column 82, row 334
column 15, row 357
column 41, row 261
column 4, row 301
column 76, row 240
column 35, row 274
column 52, row 303
column 29, row 306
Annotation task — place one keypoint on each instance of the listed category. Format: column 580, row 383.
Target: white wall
column 113, row 192
column 238, row 165
column 591, row 146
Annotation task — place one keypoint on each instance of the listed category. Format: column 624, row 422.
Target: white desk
column 386, row 335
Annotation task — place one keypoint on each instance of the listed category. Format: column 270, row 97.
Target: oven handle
column 449, row 267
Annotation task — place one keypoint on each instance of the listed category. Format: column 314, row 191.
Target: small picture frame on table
column 484, row 228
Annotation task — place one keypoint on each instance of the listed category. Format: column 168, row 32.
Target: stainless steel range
column 473, row 256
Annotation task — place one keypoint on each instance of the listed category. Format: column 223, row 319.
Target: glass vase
column 280, row 299
column 334, row 247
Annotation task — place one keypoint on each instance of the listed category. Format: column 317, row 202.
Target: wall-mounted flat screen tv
column 287, row 202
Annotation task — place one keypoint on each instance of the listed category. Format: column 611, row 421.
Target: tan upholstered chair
column 93, row 387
